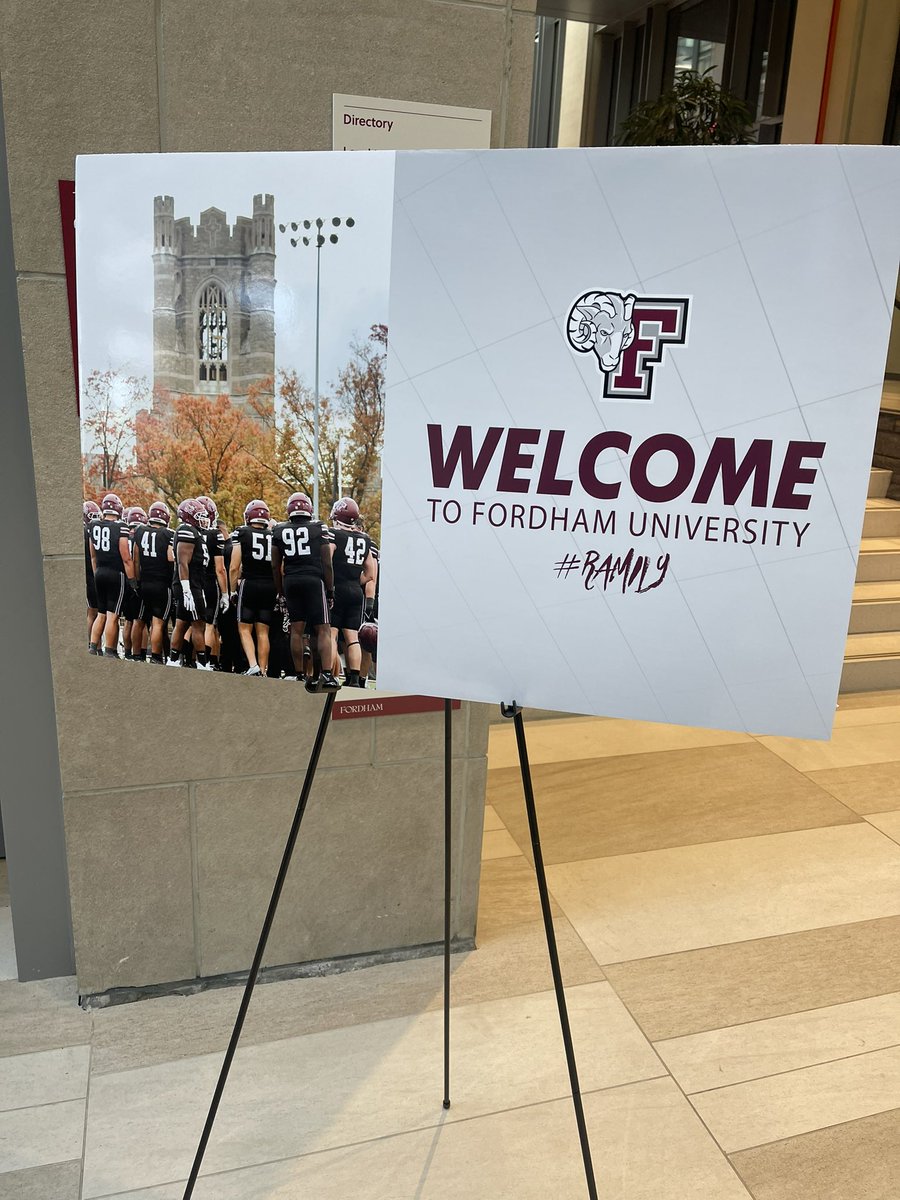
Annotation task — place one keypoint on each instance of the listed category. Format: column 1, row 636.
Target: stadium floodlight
column 317, row 239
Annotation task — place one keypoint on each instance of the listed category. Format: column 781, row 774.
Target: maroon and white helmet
column 344, row 512
column 112, row 504
column 191, row 512
column 299, row 505
column 368, row 637
column 135, row 516
column 210, row 505
column 91, row 511
column 256, row 510
column 158, row 513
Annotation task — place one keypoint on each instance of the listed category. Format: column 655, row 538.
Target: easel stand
column 513, row 711
column 324, row 722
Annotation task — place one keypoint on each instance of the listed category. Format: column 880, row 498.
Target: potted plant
column 695, row 111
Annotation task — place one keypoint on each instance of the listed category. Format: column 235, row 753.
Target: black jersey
column 105, row 537
column 215, row 548
column 153, row 542
column 187, row 534
column 300, row 543
column 351, row 549
column 88, row 565
column 256, row 552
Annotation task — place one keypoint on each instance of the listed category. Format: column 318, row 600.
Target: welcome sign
column 632, row 397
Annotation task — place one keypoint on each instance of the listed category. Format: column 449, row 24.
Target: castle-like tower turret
column 214, row 301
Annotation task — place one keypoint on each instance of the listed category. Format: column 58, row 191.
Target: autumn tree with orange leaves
column 181, row 445
column 203, row 445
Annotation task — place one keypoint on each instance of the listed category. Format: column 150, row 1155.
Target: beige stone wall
column 177, row 798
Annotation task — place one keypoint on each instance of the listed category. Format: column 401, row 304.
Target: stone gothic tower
column 214, row 301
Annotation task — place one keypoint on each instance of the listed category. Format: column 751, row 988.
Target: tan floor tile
column 322, row 1091
column 34, row 1137
column 593, row 808
column 783, row 1106
column 678, row 994
column 497, row 843
column 41, row 1016
column 638, row 905
column 703, row 1061
column 511, row 960
column 853, row 747
column 48, row 1077
column 591, row 737
column 491, row 819
column 646, row 1142
column 888, row 823
column 59, row 1181
column 874, row 788
column 856, row 1161
column 508, row 895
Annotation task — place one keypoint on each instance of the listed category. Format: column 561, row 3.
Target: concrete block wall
column 177, row 793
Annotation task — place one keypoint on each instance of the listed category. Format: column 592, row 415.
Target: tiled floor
column 728, row 916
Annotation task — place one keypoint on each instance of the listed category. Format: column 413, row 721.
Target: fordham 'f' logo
column 628, row 334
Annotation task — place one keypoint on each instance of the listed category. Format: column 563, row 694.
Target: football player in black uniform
column 134, row 629
column 367, row 657
column 113, row 572
column 215, row 581
column 354, row 570
column 191, row 553
column 153, row 558
column 252, row 582
column 91, row 511
column 301, row 566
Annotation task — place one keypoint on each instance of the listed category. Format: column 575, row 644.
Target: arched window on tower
column 212, row 331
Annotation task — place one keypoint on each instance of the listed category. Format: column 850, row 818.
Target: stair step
column 875, row 616
column 879, row 482
column 871, row 674
column 882, row 519
column 873, row 645
column 879, row 559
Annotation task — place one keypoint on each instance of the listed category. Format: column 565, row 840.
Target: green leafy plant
column 695, row 111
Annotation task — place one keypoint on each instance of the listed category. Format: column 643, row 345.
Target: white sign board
column 370, row 123
column 632, row 401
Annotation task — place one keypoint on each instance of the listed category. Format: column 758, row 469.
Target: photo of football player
column 302, row 550
column 134, row 628
column 91, row 511
column 215, row 582
column 110, row 547
column 252, row 584
column 191, row 556
column 354, row 571
column 154, row 557
column 367, row 656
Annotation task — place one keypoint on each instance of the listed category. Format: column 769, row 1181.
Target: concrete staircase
column 872, row 657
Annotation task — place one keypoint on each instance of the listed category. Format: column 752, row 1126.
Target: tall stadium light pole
column 318, row 240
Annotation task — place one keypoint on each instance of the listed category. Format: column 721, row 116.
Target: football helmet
column 299, row 505
column 112, row 504
column 91, row 511
column 211, row 511
column 368, row 637
column 159, row 514
column 256, row 510
column 135, row 516
column 190, row 512
column 344, row 512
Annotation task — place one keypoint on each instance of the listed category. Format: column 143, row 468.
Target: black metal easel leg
column 448, row 816
column 516, row 713
column 324, row 721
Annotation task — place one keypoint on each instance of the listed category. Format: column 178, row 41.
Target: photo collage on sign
column 232, row 318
